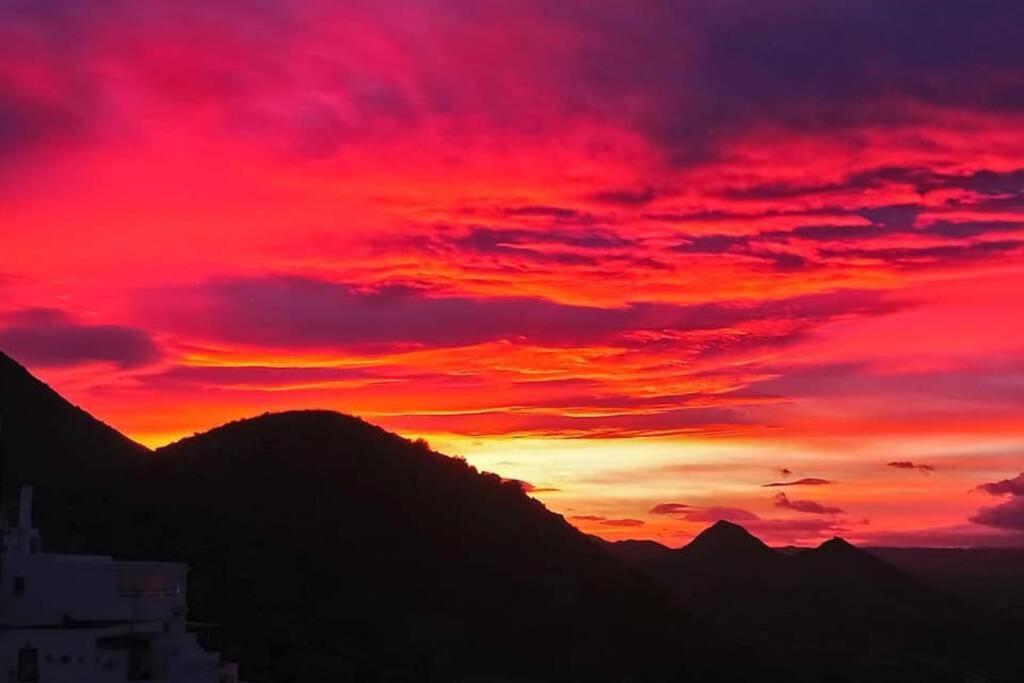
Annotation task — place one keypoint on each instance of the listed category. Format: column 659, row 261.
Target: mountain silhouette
column 418, row 544
column 62, row 434
column 857, row 570
column 871, row 602
column 989, row 577
column 846, row 614
column 68, row 455
column 727, row 543
column 330, row 549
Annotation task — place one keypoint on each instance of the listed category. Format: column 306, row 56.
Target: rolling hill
column 330, row 549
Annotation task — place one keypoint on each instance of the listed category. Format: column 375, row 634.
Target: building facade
column 90, row 618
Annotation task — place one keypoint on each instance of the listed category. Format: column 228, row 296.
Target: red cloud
column 781, row 500
column 716, row 514
column 669, row 508
column 604, row 521
column 1008, row 515
column 807, row 481
column 592, row 265
column 1006, row 487
column 908, row 465
column 49, row 337
column 623, row 522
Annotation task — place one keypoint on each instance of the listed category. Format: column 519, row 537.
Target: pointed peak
column 840, row 552
column 724, row 526
column 727, row 539
column 843, row 561
column 837, row 544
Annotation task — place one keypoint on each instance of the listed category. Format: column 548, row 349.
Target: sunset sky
column 651, row 257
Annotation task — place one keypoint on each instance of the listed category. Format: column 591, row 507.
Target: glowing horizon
column 647, row 257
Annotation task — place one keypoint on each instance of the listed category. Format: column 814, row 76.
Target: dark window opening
column 140, row 664
column 28, row 664
column 19, row 586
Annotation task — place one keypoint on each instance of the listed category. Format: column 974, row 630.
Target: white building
column 93, row 619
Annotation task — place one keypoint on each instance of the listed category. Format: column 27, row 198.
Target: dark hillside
column 330, row 549
column 835, row 612
column 73, row 460
column 354, row 535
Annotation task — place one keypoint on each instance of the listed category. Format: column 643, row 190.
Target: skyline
column 653, row 259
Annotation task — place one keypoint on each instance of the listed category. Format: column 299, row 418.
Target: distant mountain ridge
column 332, row 550
column 849, row 615
column 989, row 577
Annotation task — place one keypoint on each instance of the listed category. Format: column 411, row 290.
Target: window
column 28, row 664
column 140, row 664
column 153, row 584
column 19, row 586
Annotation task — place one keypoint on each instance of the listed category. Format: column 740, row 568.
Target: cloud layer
column 47, row 337
column 640, row 252
column 1006, row 515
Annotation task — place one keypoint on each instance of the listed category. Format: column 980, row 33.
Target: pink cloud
column 781, row 500
column 807, row 481
column 1008, row 515
column 1005, row 487
column 601, row 221
column 908, row 465
column 670, row 508
column 50, row 337
column 716, row 514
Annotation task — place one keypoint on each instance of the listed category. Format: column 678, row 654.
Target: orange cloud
column 557, row 238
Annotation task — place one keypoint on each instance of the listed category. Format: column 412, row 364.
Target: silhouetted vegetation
column 330, row 550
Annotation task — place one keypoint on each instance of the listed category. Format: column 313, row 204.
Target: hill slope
column 73, row 460
column 330, row 549
column 364, row 539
